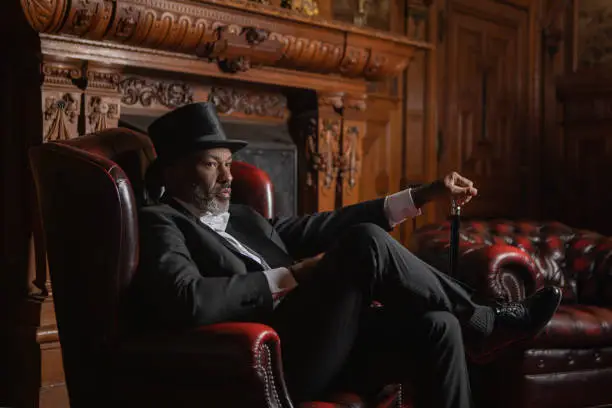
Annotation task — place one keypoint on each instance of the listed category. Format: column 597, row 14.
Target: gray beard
column 207, row 202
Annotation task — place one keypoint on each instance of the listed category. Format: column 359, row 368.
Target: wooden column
column 328, row 149
column 76, row 98
column 61, row 100
column 102, row 98
column 351, row 149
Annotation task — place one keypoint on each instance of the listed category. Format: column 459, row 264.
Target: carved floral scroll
column 170, row 94
column 232, row 100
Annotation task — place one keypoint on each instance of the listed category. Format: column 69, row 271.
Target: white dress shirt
column 398, row 207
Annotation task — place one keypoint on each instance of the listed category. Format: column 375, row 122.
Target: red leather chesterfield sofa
column 570, row 364
column 89, row 189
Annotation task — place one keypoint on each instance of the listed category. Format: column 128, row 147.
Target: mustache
column 222, row 187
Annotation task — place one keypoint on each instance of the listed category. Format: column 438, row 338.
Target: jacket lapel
column 249, row 234
column 246, row 233
column 181, row 208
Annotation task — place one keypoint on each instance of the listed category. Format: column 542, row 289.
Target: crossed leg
column 323, row 320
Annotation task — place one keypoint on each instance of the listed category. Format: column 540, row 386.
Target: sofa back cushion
column 578, row 261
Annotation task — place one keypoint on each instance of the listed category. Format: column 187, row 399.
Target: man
column 205, row 261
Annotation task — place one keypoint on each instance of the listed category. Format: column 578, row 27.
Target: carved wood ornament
column 340, row 135
column 230, row 100
column 60, row 113
column 102, row 101
column 307, row 7
column 353, row 132
column 72, row 89
column 235, row 40
column 61, row 101
column 100, row 113
column 325, row 161
column 144, row 92
column 349, row 161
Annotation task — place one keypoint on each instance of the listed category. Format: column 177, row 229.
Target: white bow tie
column 216, row 222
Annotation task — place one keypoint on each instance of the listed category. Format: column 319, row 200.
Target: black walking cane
column 455, row 221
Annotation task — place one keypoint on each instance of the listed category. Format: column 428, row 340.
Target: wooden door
column 485, row 104
column 584, row 164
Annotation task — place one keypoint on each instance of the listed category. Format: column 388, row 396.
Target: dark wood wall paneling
column 25, row 311
column 558, row 59
column 489, row 79
column 579, row 142
column 509, row 76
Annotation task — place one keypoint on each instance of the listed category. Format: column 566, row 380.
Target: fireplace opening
column 270, row 148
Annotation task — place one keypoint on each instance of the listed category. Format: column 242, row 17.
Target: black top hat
column 187, row 129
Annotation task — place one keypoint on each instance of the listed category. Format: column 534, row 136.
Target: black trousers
column 330, row 333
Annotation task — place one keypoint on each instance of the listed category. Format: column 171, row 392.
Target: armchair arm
column 499, row 271
column 226, row 364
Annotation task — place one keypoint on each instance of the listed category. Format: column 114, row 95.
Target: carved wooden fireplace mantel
column 236, row 35
column 103, row 60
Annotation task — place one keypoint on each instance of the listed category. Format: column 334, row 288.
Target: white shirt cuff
column 400, row 206
column 281, row 282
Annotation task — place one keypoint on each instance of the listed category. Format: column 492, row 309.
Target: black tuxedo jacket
column 189, row 275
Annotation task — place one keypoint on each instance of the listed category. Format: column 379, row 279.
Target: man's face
column 213, row 178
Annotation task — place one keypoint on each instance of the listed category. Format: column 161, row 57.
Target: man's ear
column 180, row 173
column 153, row 183
column 173, row 175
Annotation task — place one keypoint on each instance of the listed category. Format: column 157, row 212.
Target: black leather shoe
column 518, row 321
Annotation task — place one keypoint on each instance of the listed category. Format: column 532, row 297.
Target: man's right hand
column 302, row 270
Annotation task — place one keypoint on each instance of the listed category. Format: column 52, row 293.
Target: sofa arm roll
column 499, row 272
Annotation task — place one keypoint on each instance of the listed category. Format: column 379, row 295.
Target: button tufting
column 597, row 357
column 570, row 360
column 540, row 363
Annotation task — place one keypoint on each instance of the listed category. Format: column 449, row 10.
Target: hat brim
column 232, row 145
column 171, row 157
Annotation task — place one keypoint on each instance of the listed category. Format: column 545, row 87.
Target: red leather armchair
column 570, row 364
column 89, row 190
